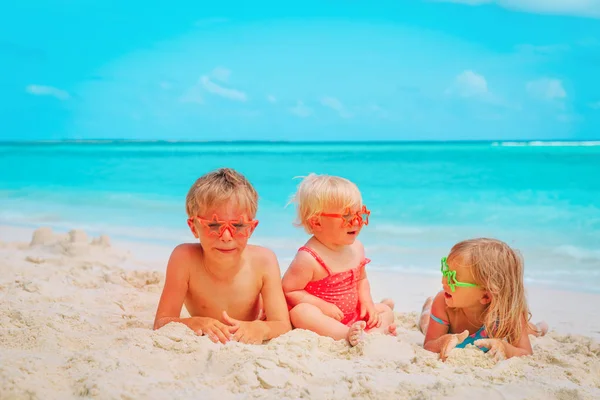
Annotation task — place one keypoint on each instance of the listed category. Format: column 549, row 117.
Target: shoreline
column 564, row 310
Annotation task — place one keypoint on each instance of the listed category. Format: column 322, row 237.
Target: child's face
column 223, row 230
column 462, row 297
column 336, row 230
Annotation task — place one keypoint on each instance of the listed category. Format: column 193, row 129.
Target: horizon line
column 362, row 141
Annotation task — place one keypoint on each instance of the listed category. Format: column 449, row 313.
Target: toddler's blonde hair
column 497, row 268
column 317, row 193
column 216, row 188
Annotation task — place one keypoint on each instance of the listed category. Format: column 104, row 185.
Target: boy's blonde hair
column 218, row 187
column 316, row 193
column 498, row 269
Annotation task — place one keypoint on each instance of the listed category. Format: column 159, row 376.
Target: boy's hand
column 333, row 311
column 496, row 346
column 367, row 309
column 251, row 332
column 450, row 341
column 214, row 329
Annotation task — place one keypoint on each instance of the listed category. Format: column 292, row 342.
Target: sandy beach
column 77, row 314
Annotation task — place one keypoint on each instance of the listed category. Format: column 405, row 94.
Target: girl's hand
column 250, row 332
column 368, row 310
column 497, row 348
column 450, row 341
column 333, row 311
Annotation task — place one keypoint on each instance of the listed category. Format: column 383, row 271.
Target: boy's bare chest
column 209, row 297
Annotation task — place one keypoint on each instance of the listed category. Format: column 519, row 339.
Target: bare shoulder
column 358, row 247
column 184, row 254
column 262, row 258
column 439, row 307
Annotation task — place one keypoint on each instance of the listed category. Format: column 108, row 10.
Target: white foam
column 539, row 143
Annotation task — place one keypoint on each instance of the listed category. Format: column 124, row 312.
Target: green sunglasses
column 451, row 277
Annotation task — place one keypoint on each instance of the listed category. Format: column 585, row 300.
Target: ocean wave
column 540, row 143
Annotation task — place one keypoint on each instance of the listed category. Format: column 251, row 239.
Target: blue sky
column 309, row 70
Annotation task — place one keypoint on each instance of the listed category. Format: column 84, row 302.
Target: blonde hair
column 498, row 269
column 218, row 187
column 316, row 193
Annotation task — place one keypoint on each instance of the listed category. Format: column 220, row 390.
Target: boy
column 222, row 280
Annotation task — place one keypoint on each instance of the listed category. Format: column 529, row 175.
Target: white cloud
column 221, row 74
column 583, row 8
column 40, row 90
column 546, row 89
column 192, row 96
column 272, row 99
column 336, row 105
column 214, row 88
column 469, row 84
column 301, row 110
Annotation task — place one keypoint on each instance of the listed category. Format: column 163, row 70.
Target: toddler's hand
column 450, row 341
column 214, row 329
column 496, row 346
column 373, row 318
column 251, row 332
column 333, row 311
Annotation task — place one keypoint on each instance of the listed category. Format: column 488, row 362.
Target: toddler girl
column 326, row 284
column 483, row 302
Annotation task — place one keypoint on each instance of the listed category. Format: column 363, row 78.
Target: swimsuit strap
column 316, row 257
column 438, row 320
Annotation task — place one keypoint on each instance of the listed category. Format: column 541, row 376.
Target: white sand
column 76, row 317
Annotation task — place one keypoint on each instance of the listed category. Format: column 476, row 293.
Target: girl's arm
column 501, row 349
column 437, row 338
column 295, row 279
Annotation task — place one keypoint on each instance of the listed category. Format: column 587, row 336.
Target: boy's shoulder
column 261, row 256
column 185, row 252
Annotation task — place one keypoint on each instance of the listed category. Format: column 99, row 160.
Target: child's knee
column 301, row 311
column 383, row 308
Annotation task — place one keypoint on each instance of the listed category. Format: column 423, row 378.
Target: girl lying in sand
column 483, row 303
column 326, row 284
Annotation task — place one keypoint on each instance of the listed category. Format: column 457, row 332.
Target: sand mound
column 75, row 323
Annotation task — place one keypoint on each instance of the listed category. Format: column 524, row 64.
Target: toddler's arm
column 295, row 279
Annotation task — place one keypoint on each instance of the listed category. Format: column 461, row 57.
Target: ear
column 192, row 226
column 486, row 298
column 315, row 223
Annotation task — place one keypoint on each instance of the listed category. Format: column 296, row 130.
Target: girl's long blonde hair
column 498, row 269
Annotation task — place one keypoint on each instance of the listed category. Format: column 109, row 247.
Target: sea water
column 542, row 198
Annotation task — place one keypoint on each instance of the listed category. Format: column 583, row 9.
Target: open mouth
column 352, row 233
column 447, row 295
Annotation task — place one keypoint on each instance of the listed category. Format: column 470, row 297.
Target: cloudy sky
column 300, row 70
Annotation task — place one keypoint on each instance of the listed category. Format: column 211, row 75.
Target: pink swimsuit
column 340, row 288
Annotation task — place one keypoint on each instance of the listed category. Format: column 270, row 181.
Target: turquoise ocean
column 542, row 198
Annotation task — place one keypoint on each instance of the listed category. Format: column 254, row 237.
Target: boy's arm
column 176, row 286
column 275, row 306
column 171, row 300
column 277, row 317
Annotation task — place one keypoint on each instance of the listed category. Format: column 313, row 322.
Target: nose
column 357, row 221
column 226, row 236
